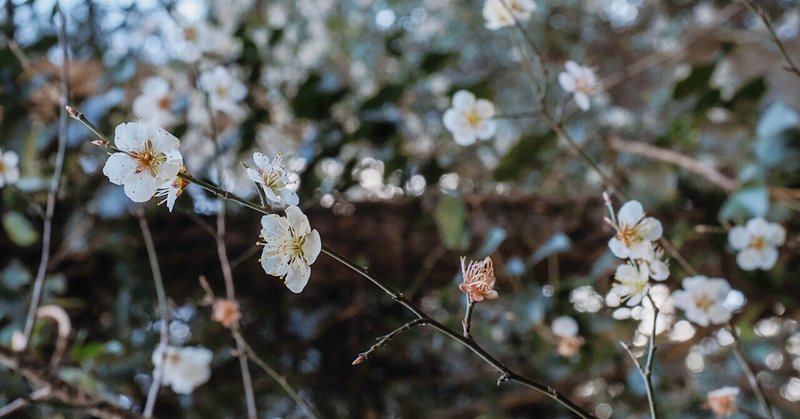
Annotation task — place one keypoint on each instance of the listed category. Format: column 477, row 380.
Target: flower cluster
column 635, row 240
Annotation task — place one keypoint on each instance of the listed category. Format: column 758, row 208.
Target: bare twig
column 789, row 66
column 55, row 181
column 646, row 370
column 22, row 402
column 467, row 322
column 163, row 309
column 383, row 340
column 752, row 379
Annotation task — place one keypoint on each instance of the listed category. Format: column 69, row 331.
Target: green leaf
column 450, row 215
column 697, row 81
column 19, row 229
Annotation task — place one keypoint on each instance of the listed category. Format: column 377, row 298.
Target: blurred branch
column 39, row 376
column 161, row 295
column 752, row 379
column 23, row 402
column 789, row 66
column 55, row 181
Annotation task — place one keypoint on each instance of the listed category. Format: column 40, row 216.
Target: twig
column 762, row 14
column 161, row 295
column 752, row 379
column 383, row 340
column 467, row 322
column 668, row 156
column 23, row 402
column 646, row 371
column 55, row 181
column 307, row 409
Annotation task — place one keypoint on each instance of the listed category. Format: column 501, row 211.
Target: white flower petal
column 463, row 100
column 567, row 82
column 650, row 229
column 297, row 278
column 748, row 259
column 486, row 129
column 289, row 197
column 298, row 221
column 312, row 246
column 768, row 257
column 582, row 100
column 738, row 237
column 119, row 167
column 631, row 213
column 618, row 248
column 464, row 138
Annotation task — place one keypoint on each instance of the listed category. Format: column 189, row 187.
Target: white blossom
column 722, row 401
column 564, row 326
column 148, row 157
column 9, row 170
column 225, row 91
column 190, row 41
column 290, row 247
column 636, row 232
column 702, row 300
column 155, row 104
column 580, row 81
column 171, row 191
column 470, row 119
column 183, row 368
column 498, row 13
column 273, row 178
column 656, row 264
column 631, row 283
column 757, row 243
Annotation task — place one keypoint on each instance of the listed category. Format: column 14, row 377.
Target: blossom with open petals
column 722, row 401
column 183, row 368
column 9, row 171
column 636, row 232
column 470, row 119
column 148, row 157
column 757, row 243
column 656, row 263
column 225, row 91
column 171, row 190
column 290, row 247
column 478, row 280
column 580, row 81
column 702, row 300
column 498, row 13
column 631, row 283
column 273, row 178
column 155, row 104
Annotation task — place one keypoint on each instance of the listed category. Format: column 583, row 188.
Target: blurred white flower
column 580, row 81
column 644, row 313
column 225, row 91
column 9, row 171
column 273, row 178
column 657, row 265
column 148, row 158
column 636, row 232
column 757, row 243
column 702, row 300
column 498, row 13
column 154, row 105
column 184, row 368
column 722, row 401
column 190, row 41
column 564, row 326
column 290, row 247
column 631, row 283
column 470, row 119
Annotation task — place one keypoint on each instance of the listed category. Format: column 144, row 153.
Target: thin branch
column 383, row 340
column 55, row 181
column 161, row 296
column 752, row 379
column 648, row 368
column 789, row 66
column 307, row 409
column 22, row 402
column 467, row 322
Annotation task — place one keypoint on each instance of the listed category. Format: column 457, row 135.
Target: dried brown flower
column 226, row 312
column 478, row 279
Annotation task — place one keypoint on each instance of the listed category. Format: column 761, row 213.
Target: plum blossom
column 226, row 312
column 478, row 279
column 147, row 157
column 656, row 264
column 290, row 247
column 155, row 104
column 190, row 41
column 9, row 171
column 225, row 91
column 580, row 81
column 568, row 342
column 171, row 190
column 274, row 179
column 757, row 243
column 635, row 232
column 702, row 300
column 183, row 368
column 498, row 13
column 722, row 401
column 470, row 119
column 631, row 283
